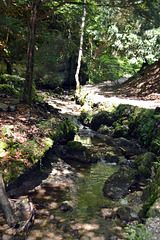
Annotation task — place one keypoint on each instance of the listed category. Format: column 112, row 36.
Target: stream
column 68, row 195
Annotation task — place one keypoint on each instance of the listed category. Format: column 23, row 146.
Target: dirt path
column 107, row 91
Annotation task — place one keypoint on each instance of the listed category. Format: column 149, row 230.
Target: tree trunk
column 6, row 206
column 80, row 51
column 9, row 66
column 28, row 87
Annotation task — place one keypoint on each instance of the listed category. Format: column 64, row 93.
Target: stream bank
column 103, row 138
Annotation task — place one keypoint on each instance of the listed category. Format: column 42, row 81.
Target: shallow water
column 86, row 195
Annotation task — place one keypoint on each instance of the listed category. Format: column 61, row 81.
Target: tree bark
column 27, row 97
column 80, row 51
column 9, row 66
column 6, row 206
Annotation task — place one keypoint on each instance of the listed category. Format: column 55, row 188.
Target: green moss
column 33, row 152
column 3, row 147
column 144, row 163
column 155, row 146
column 7, row 89
column 12, row 80
column 48, row 142
column 124, row 110
column 154, row 190
column 14, row 170
column 141, row 125
column 66, row 131
column 75, row 146
column 120, row 130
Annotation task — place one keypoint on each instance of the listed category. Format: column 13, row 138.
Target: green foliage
column 138, row 233
column 104, row 68
column 12, row 80
column 11, row 84
column 7, row 89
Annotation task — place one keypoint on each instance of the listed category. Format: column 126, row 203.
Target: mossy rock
column 124, row 110
column 155, row 146
column 117, row 185
column 85, row 118
column 120, row 130
column 155, row 209
column 104, row 118
column 77, row 152
column 7, row 89
column 144, row 163
column 103, row 129
column 141, row 125
column 76, row 146
column 66, row 132
column 12, row 80
column 153, row 191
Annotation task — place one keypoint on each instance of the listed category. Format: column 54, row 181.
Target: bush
column 12, row 80
column 7, row 89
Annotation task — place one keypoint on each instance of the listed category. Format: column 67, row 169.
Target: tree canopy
column 119, row 36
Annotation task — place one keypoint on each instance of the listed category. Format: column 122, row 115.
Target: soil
column 144, row 85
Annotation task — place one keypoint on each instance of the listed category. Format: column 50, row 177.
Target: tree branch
column 50, row 12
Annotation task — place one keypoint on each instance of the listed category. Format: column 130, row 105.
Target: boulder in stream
column 104, row 118
column 127, row 214
column 117, row 185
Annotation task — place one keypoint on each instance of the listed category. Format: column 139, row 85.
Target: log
column 6, row 206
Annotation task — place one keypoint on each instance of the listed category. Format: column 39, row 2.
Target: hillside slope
column 145, row 84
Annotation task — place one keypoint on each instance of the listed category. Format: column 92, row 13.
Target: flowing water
column 86, row 198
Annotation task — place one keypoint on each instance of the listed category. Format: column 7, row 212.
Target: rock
column 117, row 232
column 152, row 228
column 74, row 151
column 103, row 129
column 3, row 107
column 157, row 110
column 103, row 117
column 155, row 209
column 117, row 185
column 144, row 164
column 120, row 130
column 107, row 213
column 125, row 142
column 66, row 206
column 111, row 157
column 12, row 108
column 127, row 214
column 123, row 161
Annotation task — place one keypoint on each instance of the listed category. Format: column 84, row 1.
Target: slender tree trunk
column 80, row 51
column 8, row 65
column 6, row 206
column 28, row 87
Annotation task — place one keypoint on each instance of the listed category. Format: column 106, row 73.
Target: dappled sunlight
column 103, row 93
